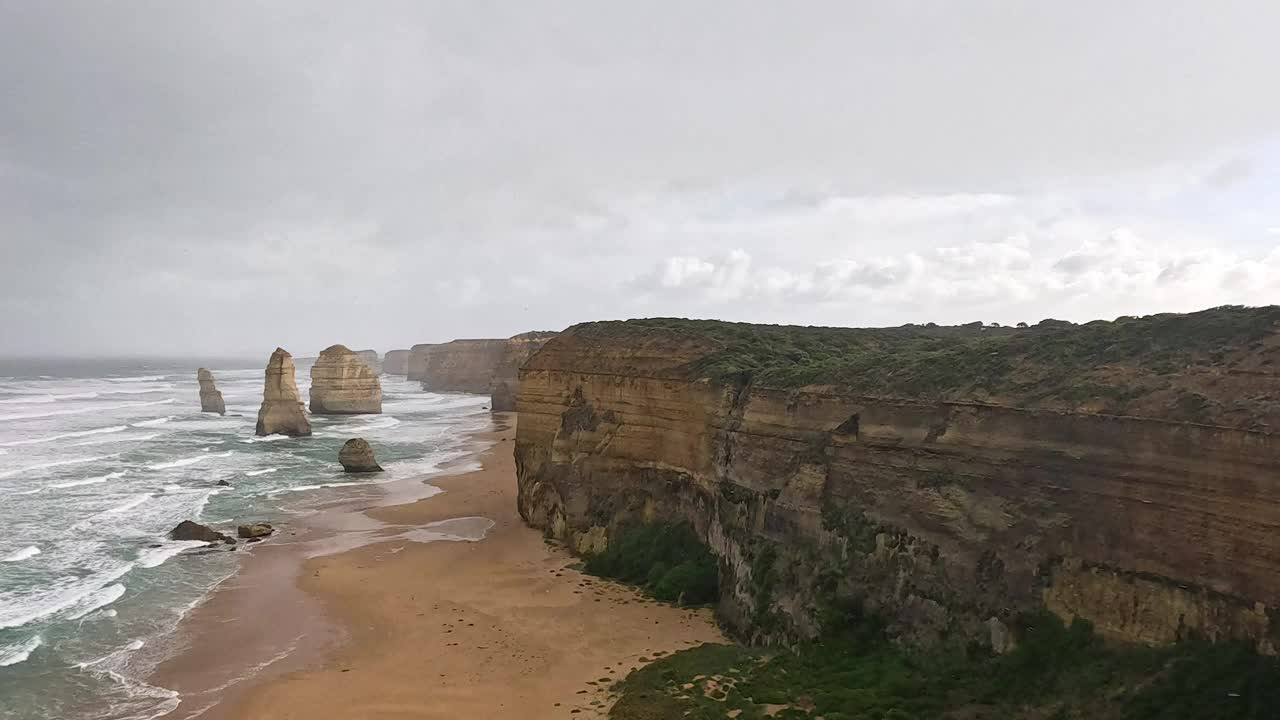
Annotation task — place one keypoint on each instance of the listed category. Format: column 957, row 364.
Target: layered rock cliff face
column 396, row 362
column 343, row 384
column 281, row 412
column 506, row 376
column 416, row 365
column 462, row 365
column 210, row 396
column 946, row 478
column 370, row 358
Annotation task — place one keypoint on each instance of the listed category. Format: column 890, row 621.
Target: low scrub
column 666, row 559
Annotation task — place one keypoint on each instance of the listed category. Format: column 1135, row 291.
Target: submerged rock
column 343, row 384
column 210, row 397
column 188, row 530
column 356, row 456
column 254, row 531
column 281, row 411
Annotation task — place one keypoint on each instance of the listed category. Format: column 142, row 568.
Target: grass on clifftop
column 667, row 560
column 1052, row 359
column 1057, row 673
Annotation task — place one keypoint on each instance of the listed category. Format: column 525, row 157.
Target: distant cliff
column 416, row 365
column 396, row 362
column 506, row 376
column 946, row 478
column 462, row 365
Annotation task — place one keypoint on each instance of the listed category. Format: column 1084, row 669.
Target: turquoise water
column 98, row 460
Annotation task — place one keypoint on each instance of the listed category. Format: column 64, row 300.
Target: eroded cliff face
column 506, row 376
column 945, row 514
column 396, row 362
column 461, row 366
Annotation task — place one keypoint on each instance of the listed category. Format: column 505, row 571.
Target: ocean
column 99, row 459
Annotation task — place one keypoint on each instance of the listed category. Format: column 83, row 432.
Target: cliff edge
column 946, row 478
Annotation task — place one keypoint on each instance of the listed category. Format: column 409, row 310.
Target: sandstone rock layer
column 343, row 384
column 281, row 412
column 356, row 456
column 945, row 511
column 416, row 364
column 396, row 362
column 506, row 376
column 462, row 366
column 210, row 396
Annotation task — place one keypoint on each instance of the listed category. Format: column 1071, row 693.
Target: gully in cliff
column 281, row 412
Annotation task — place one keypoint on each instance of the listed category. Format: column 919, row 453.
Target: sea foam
column 19, row 652
column 23, row 554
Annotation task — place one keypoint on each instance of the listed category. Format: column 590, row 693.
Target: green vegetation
column 1052, row 359
column 667, row 559
column 1056, row 673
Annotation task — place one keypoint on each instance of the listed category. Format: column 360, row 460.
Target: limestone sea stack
column 281, row 412
column 506, row 377
column 342, row 384
column 370, row 358
column 396, row 362
column 210, row 397
column 357, row 457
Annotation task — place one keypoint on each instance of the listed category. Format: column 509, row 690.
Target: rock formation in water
column 281, row 411
column 342, row 384
column 396, row 362
column 506, row 376
column 188, row 530
column 254, row 530
column 416, row 365
column 210, row 397
column 356, row 456
column 462, row 366
column 945, row 478
column 370, row 358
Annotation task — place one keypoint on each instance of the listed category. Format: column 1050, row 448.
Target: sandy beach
column 501, row 626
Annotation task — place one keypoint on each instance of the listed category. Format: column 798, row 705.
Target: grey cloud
column 423, row 170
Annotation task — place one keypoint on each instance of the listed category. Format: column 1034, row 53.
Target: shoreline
column 443, row 605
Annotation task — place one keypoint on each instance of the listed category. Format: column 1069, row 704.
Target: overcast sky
column 223, row 177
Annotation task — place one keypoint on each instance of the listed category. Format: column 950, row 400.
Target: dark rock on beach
column 188, row 530
column 254, row 531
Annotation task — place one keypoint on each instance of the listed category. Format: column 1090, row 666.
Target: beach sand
column 501, row 627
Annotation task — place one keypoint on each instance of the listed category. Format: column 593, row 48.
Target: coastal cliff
column 461, row 365
column 281, row 411
column 396, row 362
column 370, row 358
column 506, row 376
column 416, row 364
column 944, row 478
column 342, row 383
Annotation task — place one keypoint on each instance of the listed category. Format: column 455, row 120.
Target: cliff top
column 1218, row 366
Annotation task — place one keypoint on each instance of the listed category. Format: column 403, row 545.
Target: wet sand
column 500, row 627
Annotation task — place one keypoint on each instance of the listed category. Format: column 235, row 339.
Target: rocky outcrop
column 356, row 456
column 462, row 366
column 396, row 362
column 506, row 376
column 210, row 397
column 194, row 531
column 254, row 530
column 281, row 412
column 343, row 384
column 416, row 366
column 945, row 478
column 370, row 359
